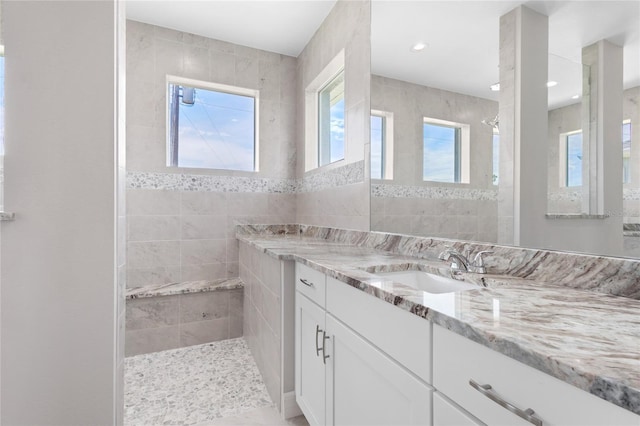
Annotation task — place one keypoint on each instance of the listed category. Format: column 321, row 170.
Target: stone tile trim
column 573, row 196
column 208, row 183
column 576, row 196
column 315, row 181
column 348, row 174
column 183, row 288
column 432, row 192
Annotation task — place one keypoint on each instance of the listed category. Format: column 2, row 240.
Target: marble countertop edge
column 185, row 287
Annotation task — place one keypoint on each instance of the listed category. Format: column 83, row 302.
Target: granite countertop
column 588, row 339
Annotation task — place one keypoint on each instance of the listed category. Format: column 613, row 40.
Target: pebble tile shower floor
column 195, row 385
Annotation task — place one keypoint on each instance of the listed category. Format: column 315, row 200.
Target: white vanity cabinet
column 309, row 342
column 310, row 367
column 446, row 413
column 366, row 387
column 342, row 376
column 499, row 390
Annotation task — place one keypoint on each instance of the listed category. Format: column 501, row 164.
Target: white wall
column 58, row 277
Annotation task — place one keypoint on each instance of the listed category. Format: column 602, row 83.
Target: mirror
column 433, row 66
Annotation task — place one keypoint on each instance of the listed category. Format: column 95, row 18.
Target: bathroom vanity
column 370, row 349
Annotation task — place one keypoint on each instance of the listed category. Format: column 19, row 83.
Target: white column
column 58, row 275
column 522, row 196
column 602, row 130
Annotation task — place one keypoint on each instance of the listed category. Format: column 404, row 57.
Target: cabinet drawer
column 400, row 334
column 457, row 360
column 311, row 283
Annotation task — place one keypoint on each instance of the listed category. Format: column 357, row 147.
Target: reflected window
column 381, row 145
column 573, row 156
column 626, row 151
column 496, row 157
column 212, row 126
column 445, row 155
column 331, row 121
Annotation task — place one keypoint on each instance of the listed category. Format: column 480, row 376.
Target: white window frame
column 224, row 88
column 387, row 142
column 312, row 140
column 464, row 152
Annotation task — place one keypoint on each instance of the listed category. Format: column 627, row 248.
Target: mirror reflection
column 435, row 127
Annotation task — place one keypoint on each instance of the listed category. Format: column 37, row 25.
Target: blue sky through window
column 376, row 146
column 439, row 158
column 217, row 131
column 574, row 159
column 337, row 130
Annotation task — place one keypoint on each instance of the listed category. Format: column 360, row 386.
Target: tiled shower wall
column 346, row 203
column 406, row 203
column 181, row 221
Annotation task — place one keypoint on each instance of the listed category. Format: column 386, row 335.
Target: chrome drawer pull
column 307, row 283
column 487, row 390
column 318, row 331
column 324, row 345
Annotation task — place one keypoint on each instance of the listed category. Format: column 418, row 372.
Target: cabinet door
column 447, row 414
column 366, row 387
column 310, row 369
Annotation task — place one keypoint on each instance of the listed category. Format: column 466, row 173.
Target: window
column 331, row 121
column 381, row 145
column 324, row 120
column 571, row 158
column 626, row 151
column 496, row 157
column 446, row 148
column 211, row 126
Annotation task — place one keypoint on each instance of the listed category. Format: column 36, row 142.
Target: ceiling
column 461, row 36
column 277, row 26
column 462, row 42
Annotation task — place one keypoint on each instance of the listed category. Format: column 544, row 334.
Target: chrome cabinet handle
column 307, row 283
column 318, row 349
column 487, row 390
column 324, row 345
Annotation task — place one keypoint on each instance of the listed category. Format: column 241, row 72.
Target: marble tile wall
column 406, row 203
column 168, row 322
column 346, row 27
column 262, row 277
column 180, row 221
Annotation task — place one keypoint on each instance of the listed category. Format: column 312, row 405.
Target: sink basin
column 427, row 282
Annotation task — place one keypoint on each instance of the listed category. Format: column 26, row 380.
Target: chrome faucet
column 461, row 262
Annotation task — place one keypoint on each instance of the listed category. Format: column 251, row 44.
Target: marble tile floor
column 211, row 384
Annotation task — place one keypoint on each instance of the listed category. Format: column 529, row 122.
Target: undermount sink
column 427, row 282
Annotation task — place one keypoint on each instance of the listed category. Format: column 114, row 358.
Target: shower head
column 493, row 122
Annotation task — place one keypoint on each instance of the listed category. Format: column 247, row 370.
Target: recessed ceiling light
column 418, row 47
column 575, row 97
column 495, row 87
column 552, row 83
